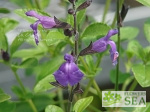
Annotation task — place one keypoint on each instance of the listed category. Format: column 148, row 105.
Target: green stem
column 118, row 48
column 60, row 95
column 37, row 4
column 70, row 100
column 87, row 87
column 28, row 4
column 99, row 93
column 24, row 90
column 106, row 10
column 126, row 83
column 134, row 84
column 115, row 17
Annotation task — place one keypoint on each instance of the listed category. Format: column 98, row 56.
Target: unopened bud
column 71, row 1
column 68, row 32
column 5, row 55
column 71, row 11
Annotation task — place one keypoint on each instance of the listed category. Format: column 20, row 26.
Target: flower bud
column 5, row 55
column 71, row 11
column 71, row 1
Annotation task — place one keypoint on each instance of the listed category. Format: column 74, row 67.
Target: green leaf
column 127, row 33
column 19, row 40
column 142, row 74
column 20, row 3
column 44, row 3
column 53, row 108
column 3, row 96
column 21, row 12
column 144, row 2
column 54, row 36
column 3, row 41
column 44, row 84
column 81, row 104
column 121, row 79
column 18, row 91
column 7, row 106
column 142, row 109
column 80, row 17
column 7, row 24
column 146, row 29
column 4, row 10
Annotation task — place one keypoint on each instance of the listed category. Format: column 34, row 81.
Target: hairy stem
column 106, row 10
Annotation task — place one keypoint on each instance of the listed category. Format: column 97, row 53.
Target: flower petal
column 47, row 22
column 34, row 27
column 33, row 14
column 110, row 33
column 69, row 58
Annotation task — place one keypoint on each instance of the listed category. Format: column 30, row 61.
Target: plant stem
column 37, row 4
column 106, row 10
column 99, row 93
column 134, row 84
column 118, row 48
column 60, row 95
column 70, row 99
column 24, row 90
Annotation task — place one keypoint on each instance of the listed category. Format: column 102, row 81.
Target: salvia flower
column 101, row 45
column 68, row 72
column 45, row 21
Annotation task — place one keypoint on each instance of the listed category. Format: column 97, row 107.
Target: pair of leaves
column 79, row 106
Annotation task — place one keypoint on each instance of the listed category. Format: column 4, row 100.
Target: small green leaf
column 3, row 41
column 53, row 108
column 21, row 12
column 54, row 36
column 94, row 30
column 7, row 106
column 4, row 10
column 81, row 104
column 127, row 33
column 121, row 79
column 44, row 84
column 146, row 29
column 19, row 40
column 142, row 74
column 142, row 109
column 4, row 97
column 7, row 24
column 144, row 2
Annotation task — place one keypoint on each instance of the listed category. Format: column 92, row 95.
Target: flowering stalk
column 118, row 48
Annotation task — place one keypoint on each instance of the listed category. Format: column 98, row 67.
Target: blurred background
column 135, row 17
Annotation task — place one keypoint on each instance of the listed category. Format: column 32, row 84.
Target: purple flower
column 45, row 21
column 101, row 45
column 68, row 72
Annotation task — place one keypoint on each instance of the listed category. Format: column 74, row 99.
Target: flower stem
column 134, row 84
column 24, row 90
column 118, row 48
column 106, row 10
column 97, row 89
column 70, row 100
column 60, row 95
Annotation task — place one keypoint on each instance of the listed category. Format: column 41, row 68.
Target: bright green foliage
column 121, row 79
column 3, row 96
column 142, row 109
column 54, row 36
column 127, row 33
column 44, row 84
column 144, row 2
column 3, row 41
column 53, row 108
column 81, row 104
column 7, row 106
column 44, row 3
column 7, row 24
column 142, row 74
column 146, row 29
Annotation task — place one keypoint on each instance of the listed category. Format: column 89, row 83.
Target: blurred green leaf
column 142, row 74
column 144, row 2
column 146, row 29
column 7, row 24
column 44, row 84
column 3, row 41
column 121, row 79
column 127, row 33
column 20, row 3
column 80, row 16
column 44, row 3
column 134, row 48
column 53, row 108
column 81, row 104
column 3, row 96
column 18, row 91
column 19, row 40
column 7, row 106
column 4, row 10
column 54, row 36
column 21, row 12
column 142, row 109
